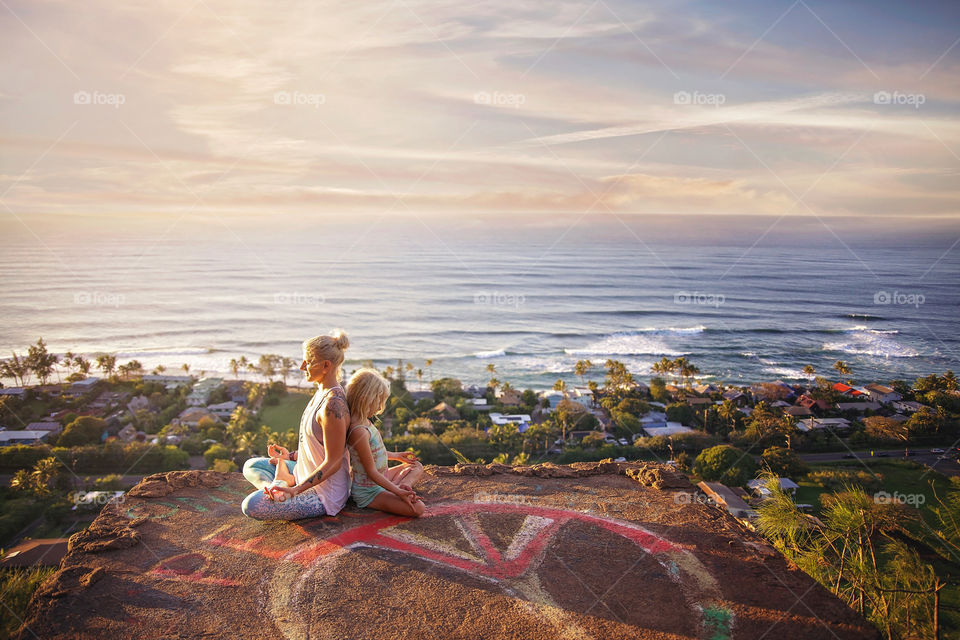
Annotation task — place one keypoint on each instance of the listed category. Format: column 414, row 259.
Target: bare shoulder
column 336, row 405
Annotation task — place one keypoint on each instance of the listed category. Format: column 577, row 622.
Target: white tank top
column 335, row 489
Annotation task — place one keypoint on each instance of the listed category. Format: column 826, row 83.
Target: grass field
column 285, row 416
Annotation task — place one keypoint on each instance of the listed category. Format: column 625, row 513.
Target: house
column 758, row 486
column 847, row 390
column 192, row 416
column 797, row 411
column 582, row 396
column 834, row 424
column 860, row 407
column 669, row 429
column 728, row 499
column 236, row 391
column 508, row 396
column 522, row 420
column 127, row 433
column 699, row 403
column 48, row 389
column 39, row 552
column 737, row 397
column 705, row 389
column 425, row 395
column 443, row 411
column 907, row 406
column 53, row 427
column 553, row 398
column 140, row 403
column 22, row 436
column 15, row 392
column 169, row 382
column 108, row 399
column 478, row 404
column 654, row 419
column 809, row 403
column 881, row 393
column 200, row 394
column 223, row 410
column 81, row 387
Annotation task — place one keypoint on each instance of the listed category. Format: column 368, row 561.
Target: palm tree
column 560, row 385
column 809, row 370
column 429, row 363
column 582, row 368
column 234, row 366
column 665, row 366
column 107, row 363
column 843, row 369
column 287, row 365
column 186, row 368
column 242, row 363
column 687, row 370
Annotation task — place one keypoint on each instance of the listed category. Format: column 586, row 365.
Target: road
column 923, row 456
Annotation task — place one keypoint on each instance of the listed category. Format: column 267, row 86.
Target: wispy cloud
column 523, row 106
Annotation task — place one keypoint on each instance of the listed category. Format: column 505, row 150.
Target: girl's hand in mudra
column 406, row 456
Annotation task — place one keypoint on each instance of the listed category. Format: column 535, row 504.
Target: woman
column 315, row 479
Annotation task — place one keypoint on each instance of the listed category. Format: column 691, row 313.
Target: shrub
column 725, row 464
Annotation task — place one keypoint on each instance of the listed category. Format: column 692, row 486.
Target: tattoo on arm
column 336, row 407
column 314, row 478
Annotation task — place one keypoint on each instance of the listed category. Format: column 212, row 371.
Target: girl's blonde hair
column 329, row 347
column 367, row 394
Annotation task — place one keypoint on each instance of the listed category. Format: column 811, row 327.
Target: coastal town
column 69, row 447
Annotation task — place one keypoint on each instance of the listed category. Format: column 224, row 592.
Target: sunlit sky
column 598, row 106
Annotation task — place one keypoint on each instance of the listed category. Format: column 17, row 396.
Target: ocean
column 744, row 299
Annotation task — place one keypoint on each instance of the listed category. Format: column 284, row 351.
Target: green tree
column 784, row 462
column 83, row 430
column 107, row 363
column 216, row 452
column 582, row 368
column 16, row 367
column 40, row 361
column 726, row 464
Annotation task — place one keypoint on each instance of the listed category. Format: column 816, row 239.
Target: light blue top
column 363, row 489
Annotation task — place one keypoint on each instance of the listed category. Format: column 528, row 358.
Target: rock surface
column 590, row 550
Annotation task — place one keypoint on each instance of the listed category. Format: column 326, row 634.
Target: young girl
column 376, row 485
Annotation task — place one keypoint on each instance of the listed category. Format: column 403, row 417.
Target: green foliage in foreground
column 17, row 587
column 867, row 552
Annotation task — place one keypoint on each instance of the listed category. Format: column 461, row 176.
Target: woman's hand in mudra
column 280, row 493
column 276, row 451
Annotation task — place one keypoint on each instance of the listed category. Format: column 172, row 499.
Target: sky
column 597, row 107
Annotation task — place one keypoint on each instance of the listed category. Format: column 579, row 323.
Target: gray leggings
column 259, row 506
